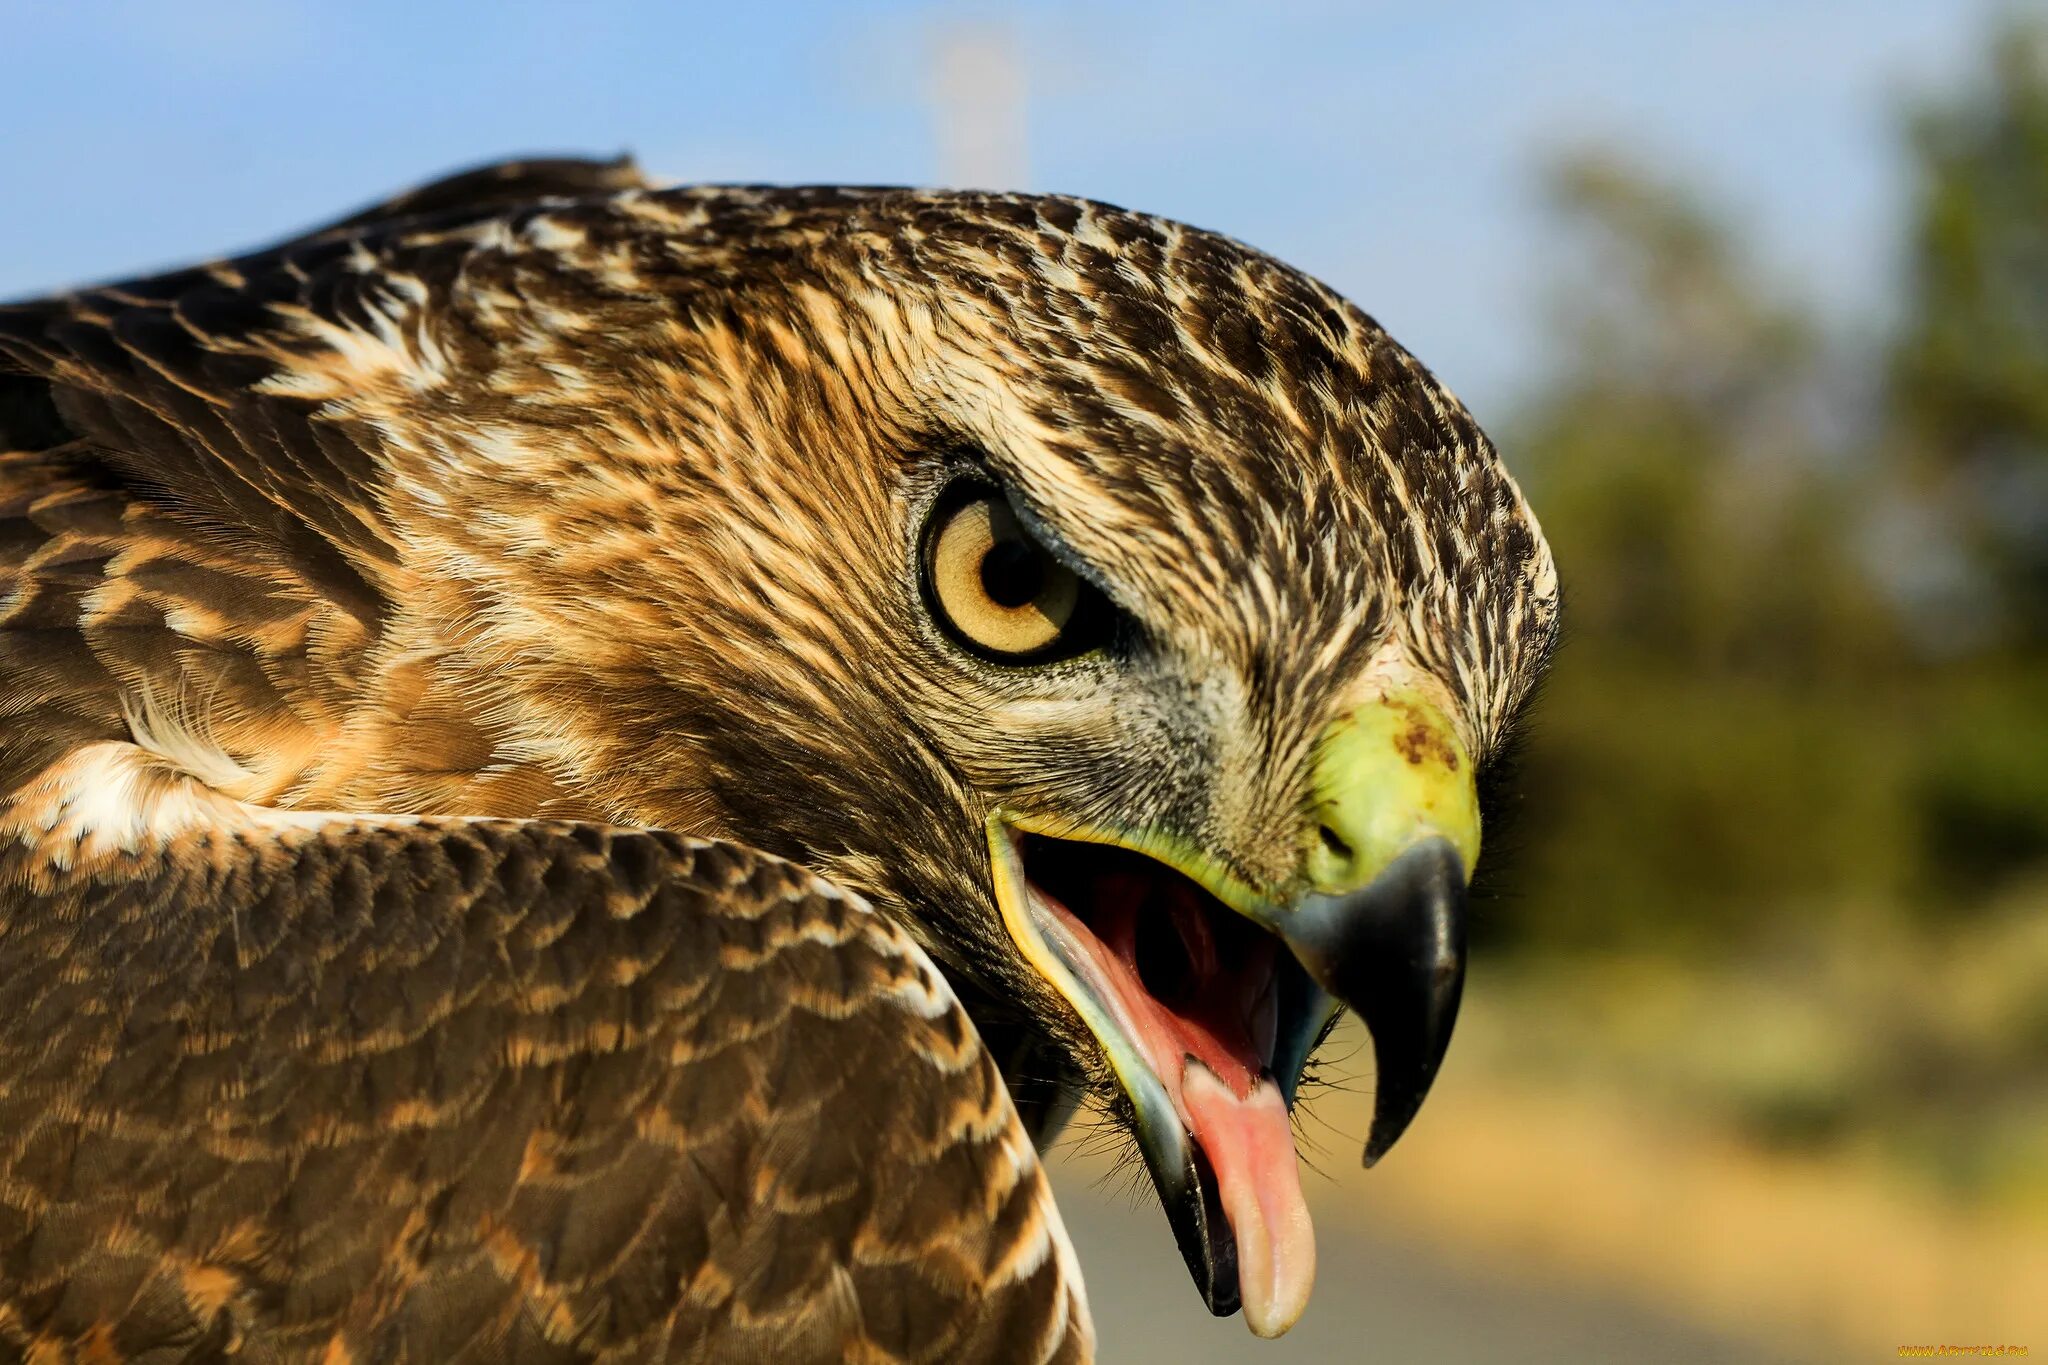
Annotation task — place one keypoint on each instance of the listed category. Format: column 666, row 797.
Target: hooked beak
column 1207, row 995
column 1394, row 950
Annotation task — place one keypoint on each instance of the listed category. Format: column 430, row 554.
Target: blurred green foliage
column 1763, row 709
column 1970, row 371
column 1800, row 719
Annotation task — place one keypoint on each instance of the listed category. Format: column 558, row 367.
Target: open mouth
column 1187, row 976
column 1206, row 994
column 1207, row 1018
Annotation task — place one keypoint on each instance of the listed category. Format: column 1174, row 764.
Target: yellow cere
column 1390, row 773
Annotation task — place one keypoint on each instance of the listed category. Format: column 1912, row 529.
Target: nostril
column 1334, row 845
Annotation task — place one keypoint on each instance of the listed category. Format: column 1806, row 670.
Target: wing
column 185, row 523
column 498, row 186
column 164, row 378
column 169, row 534
column 286, row 1087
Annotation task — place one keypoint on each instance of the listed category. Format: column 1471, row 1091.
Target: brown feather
column 496, row 1091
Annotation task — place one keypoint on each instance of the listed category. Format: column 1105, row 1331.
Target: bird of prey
column 586, row 770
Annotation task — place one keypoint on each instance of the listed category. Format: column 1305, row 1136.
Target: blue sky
column 1391, row 149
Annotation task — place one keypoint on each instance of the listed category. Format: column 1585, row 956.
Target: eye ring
column 996, row 590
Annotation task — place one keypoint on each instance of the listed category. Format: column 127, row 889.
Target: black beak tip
column 1395, row 952
column 1194, row 1206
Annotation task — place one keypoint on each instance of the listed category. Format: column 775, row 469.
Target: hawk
column 586, row 770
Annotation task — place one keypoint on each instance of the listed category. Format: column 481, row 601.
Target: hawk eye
column 1000, row 592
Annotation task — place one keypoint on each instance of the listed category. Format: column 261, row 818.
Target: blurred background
column 1754, row 294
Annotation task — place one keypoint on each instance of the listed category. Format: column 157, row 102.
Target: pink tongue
column 1251, row 1147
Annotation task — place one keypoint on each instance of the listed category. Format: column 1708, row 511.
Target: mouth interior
column 1193, row 977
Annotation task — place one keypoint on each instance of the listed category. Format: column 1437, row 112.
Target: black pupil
column 1012, row 573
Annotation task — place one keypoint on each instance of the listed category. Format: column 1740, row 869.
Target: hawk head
column 1118, row 608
